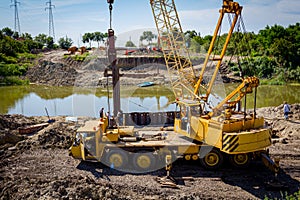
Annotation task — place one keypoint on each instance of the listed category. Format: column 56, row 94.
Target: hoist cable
column 110, row 15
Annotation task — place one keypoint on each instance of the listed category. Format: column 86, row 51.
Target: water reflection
column 32, row 100
column 70, row 101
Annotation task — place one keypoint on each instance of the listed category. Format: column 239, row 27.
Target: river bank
column 56, row 69
column 38, row 167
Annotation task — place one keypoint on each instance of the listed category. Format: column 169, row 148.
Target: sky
column 73, row 18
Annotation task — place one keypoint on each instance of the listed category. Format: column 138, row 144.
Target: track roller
column 240, row 160
column 116, row 159
column 212, row 160
column 144, row 161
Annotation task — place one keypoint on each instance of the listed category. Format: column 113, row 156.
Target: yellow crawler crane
column 237, row 134
column 211, row 135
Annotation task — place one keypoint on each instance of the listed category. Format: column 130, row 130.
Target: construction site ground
column 38, row 167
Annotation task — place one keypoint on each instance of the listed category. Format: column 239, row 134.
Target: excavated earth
column 57, row 69
column 38, row 166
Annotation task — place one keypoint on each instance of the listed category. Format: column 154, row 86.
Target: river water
column 70, row 101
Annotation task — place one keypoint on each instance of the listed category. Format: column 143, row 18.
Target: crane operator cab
column 190, row 111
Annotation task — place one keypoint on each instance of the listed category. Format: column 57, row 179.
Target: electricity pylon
column 17, row 21
column 51, row 22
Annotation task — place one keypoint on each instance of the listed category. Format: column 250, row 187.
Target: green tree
column 26, row 36
column 8, row 32
column 88, row 38
column 8, row 46
column 105, row 36
column 98, row 37
column 65, row 43
column 189, row 35
column 44, row 41
column 148, row 36
column 16, row 35
column 50, row 42
column 41, row 39
column 129, row 44
column 206, row 42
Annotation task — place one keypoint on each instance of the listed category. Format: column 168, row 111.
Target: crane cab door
column 185, row 115
column 182, row 121
column 187, row 122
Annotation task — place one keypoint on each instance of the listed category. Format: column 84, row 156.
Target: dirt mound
column 13, row 122
column 277, row 112
column 282, row 128
column 47, row 72
column 9, row 125
column 53, row 68
column 60, row 137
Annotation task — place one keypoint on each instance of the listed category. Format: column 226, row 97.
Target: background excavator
column 211, row 133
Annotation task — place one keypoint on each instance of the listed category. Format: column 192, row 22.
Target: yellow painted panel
column 246, row 141
column 111, row 136
column 126, row 130
column 252, row 136
column 255, row 146
column 259, row 122
column 214, row 134
column 177, row 125
column 188, row 149
column 235, row 126
column 76, row 151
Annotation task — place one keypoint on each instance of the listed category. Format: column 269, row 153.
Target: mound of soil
column 53, row 68
column 38, row 166
column 47, row 72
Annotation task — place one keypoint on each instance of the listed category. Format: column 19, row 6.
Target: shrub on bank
column 13, row 80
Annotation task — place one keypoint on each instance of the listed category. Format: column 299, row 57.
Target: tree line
column 272, row 53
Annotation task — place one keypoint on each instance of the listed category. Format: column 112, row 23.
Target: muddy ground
column 38, row 167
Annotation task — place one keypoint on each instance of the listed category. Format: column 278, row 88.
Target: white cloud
column 283, row 13
column 289, row 7
column 257, row 15
column 202, row 21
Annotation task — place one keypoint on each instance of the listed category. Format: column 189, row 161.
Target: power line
column 51, row 22
column 17, row 21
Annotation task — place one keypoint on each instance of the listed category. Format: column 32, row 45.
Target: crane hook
column 110, row 12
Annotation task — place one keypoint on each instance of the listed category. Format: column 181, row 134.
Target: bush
column 12, row 69
column 81, row 57
column 13, row 80
column 294, row 74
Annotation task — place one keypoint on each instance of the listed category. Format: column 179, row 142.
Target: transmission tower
column 51, row 22
column 17, row 21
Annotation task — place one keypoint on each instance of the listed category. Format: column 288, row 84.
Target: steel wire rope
column 110, row 26
column 236, row 49
column 214, row 51
column 139, row 105
column 246, row 41
column 242, row 39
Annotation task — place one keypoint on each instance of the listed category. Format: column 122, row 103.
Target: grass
column 77, row 57
column 82, row 57
column 272, row 82
column 295, row 196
